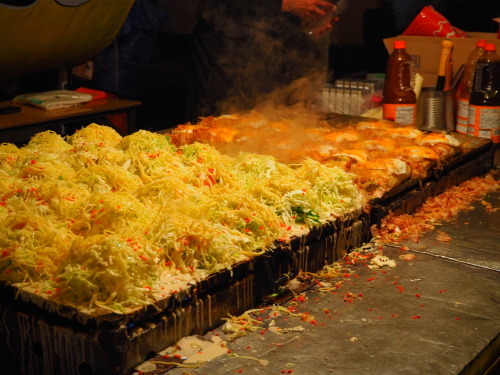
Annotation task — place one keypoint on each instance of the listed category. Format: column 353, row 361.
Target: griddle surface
column 436, row 314
column 475, row 234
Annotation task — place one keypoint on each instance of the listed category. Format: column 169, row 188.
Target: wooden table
column 21, row 126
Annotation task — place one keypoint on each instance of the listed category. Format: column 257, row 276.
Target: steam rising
column 263, row 57
column 286, row 132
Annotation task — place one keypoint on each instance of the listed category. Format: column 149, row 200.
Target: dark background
column 158, row 69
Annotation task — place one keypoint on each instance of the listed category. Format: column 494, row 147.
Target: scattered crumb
column 382, row 260
column 443, row 237
column 146, row 367
column 407, row 256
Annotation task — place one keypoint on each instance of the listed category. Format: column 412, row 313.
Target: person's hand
column 322, row 28
column 318, row 16
column 307, row 10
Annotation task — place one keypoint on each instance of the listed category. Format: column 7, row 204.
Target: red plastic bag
column 429, row 22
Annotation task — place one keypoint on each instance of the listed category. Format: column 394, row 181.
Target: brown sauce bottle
column 400, row 102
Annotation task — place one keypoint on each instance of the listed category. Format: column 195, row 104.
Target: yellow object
column 48, row 35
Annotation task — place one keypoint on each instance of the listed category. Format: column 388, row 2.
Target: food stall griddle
column 41, row 337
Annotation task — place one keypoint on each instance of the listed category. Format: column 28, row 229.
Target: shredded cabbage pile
column 99, row 220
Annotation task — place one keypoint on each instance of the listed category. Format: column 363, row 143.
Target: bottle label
column 462, row 115
column 461, row 128
column 484, row 78
column 484, row 122
column 402, row 113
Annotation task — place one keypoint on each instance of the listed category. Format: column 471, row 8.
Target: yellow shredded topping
column 98, row 220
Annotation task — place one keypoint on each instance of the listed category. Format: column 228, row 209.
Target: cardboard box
column 426, row 51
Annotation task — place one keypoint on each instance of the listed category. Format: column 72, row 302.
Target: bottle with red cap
column 400, row 102
column 484, row 102
column 463, row 92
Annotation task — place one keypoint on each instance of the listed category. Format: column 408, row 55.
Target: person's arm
column 307, row 9
column 304, row 9
column 251, row 6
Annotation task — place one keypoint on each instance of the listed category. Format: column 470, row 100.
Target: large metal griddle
column 42, row 337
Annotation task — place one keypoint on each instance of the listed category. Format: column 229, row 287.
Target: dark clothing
column 123, row 67
column 244, row 49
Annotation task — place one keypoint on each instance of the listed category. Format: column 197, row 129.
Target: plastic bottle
column 484, row 102
column 400, row 102
column 463, row 92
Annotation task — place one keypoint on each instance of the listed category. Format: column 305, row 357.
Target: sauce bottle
column 400, row 102
column 484, row 102
column 463, row 92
